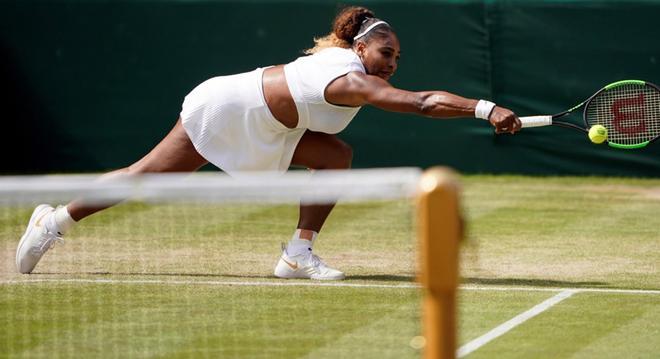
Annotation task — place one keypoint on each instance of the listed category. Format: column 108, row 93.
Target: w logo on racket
column 629, row 115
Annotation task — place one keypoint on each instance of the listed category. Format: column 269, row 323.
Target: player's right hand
column 504, row 120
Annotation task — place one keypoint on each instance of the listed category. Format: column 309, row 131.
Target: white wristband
column 483, row 109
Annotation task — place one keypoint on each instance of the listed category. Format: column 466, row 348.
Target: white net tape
column 317, row 187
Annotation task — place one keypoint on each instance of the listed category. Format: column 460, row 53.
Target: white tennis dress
column 230, row 125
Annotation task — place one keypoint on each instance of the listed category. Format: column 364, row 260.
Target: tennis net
column 184, row 266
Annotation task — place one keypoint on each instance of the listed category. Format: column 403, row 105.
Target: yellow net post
column 440, row 229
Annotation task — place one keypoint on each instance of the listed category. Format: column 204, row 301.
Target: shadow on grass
column 383, row 277
column 523, row 282
column 374, row 277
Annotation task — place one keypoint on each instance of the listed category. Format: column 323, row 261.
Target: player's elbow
column 422, row 104
column 428, row 102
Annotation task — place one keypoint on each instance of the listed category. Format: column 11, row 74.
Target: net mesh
column 630, row 112
column 184, row 267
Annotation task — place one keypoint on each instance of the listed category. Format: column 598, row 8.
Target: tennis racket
column 628, row 109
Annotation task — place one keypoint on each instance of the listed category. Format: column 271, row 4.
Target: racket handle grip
column 536, row 121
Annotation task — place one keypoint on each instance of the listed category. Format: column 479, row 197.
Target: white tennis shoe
column 36, row 241
column 306, row 265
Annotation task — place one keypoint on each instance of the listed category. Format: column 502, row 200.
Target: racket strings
column 630, row 112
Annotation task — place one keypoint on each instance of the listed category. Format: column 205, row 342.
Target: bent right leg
column 175, row 153
column 320, row 151
column 314, row 151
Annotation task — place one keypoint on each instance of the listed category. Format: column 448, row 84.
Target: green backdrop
column 94, row 85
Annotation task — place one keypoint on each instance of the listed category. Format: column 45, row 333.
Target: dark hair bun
column 348, row 21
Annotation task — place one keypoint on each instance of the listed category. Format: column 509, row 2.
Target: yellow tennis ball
column 597, row 134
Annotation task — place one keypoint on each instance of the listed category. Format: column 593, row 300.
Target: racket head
column 629, row 110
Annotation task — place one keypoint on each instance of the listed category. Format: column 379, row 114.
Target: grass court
column 185, row 280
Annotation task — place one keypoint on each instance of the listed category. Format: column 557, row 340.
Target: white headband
column 369, row 29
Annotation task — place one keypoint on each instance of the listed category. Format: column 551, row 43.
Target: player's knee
column 343, row 156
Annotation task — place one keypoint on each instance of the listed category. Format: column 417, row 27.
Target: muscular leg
column 175, row 153
column 314, row 151
column 320, row 151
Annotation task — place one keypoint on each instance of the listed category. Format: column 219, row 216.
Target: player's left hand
column 504, row 120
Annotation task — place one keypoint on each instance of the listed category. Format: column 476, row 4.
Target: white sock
column 60, row 221
column 298, row 246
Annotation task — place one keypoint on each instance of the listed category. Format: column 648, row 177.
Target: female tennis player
column 274, row 117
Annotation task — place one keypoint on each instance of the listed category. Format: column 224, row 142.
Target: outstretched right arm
column 358, row 89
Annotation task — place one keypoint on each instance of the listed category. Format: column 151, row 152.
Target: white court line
column 328, row 284
column 218, row 283
column 556, row 289
column 512, row 323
